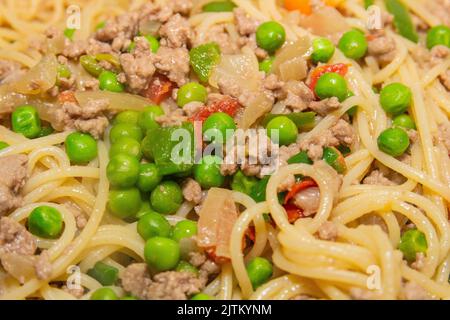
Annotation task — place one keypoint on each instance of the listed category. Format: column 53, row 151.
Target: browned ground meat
column 341, row 132
column 138, row 66
column 192, row 191
column 440, row 8
column 382, row 47
column 170, row 285
column 245, row 24
column 413, row 291
column 7, row 70
column 91, row 118
column 324, row 107
column 328, row 231
column 174, row 63
column 13, row 172
column 218, row 34
column 376, row 177
column 14, row 238
column 177, row 32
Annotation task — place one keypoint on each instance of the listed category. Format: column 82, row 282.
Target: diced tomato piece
column 159, row 89
column 293, row 212
column 339, row 68
column 229, row 106
column 67, row 96
column 302, row 185
column 304, row 6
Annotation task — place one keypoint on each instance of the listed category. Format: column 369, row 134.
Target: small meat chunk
column 177, row 32
column 175, row 118
column 382, row 47
column 90, row 118
column 296, row 95
column 14, row 238
column 376, row 177
column 7, row 69
column 217, row 33
column 325, row 106
column 42, row 266
column 173, row 285
column 136, row 279
column 328, row 231
column 119, row 30
column 74, row 49
column 412, row 291
column 192, row 191
column 246, row 25
column 13, row 172
column 173, row 63
column 138, row 66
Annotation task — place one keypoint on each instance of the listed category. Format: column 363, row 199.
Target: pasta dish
column 229, row 149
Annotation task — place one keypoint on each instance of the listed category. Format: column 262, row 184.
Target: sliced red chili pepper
column 293, row 212
column 229, row 106
column 67, row 96
column 339, row 68
column 159, row 89
column 302, row 185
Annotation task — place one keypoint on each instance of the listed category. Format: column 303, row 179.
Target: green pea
column 90, row 64
column 207, row 173
column 45, row 131
column 121, row 130
column 216, row 125
column 153, row 225
column 438, row 35
column 184, row 266
column 202, row 296
column 266, row 65
column 242, row 183
column 104, row 294
column 3, row 145
column 145, row 208
column 190, row 92
column 184, row 229
column 149, row 177
column 63, row 72
column 126, row 146
column 331, row 85
column 323, row 50
column 404, row 121
column 81, row 148
column 129, row 117
column 162, row 254
column 25, row 120
column 147, row 117
column 395, row 98
column 412, row 242
column 259, row 270
column 108, row 82
column 335, row 159
column 105, row 274
column 123, row 171
column 393, row 141
column 167, row 197
column 301, row 157
column 124, row 203
column 270, row 36
column 69, row 33
column 353, row 44
column 129, row 298
column 45, row 222
column 219, row 6
column 286, row 129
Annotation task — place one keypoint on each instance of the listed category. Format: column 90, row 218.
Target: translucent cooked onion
column 38, row 79
column 258, row 107
column 291, row 51
column 118, row 101
column 295, row 69
column 149, row 27
column 325, row 22
column 20, row 267
column 240, row 69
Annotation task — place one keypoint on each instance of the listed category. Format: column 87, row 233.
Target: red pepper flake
column 159, row 89
column 302, row 185
column 211, row 254
column 339, row 68
column 229, row 106
column 293, row 212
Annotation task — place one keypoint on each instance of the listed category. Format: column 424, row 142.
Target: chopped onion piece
column 118, row 101
column 38, row 79
column 326, row 22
